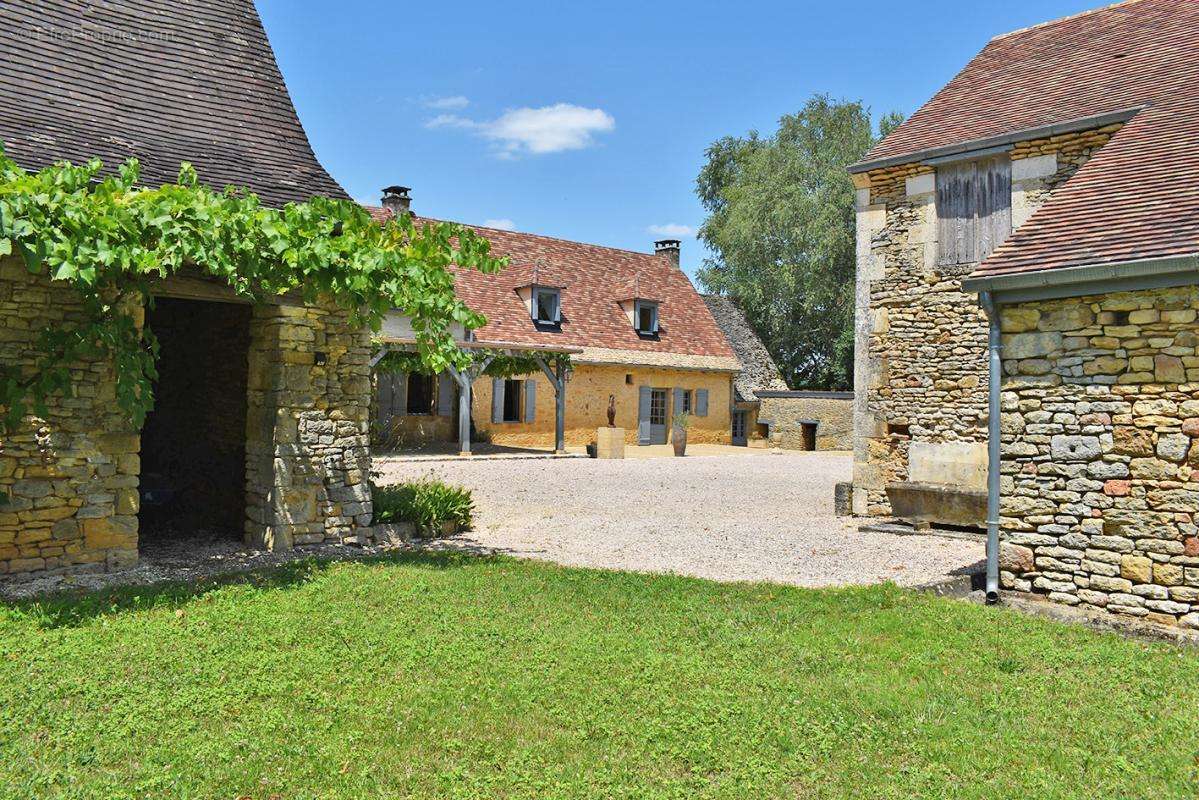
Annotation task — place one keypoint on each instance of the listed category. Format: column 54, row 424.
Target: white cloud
column 500, row 224
column 549, row 129
column 672, row 230
column 455, row 103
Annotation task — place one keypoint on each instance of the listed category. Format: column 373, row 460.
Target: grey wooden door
column 657, row 415
column 739, row 437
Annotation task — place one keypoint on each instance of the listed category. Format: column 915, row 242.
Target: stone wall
column 920, row 341
column 1099, row 481
column 73, row 476
column 786, row 413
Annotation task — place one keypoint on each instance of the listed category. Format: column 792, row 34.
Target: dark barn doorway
column 194, row 441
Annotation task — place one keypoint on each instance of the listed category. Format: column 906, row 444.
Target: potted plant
column 678, row 432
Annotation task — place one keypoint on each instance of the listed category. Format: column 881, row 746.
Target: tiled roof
column 189, row 80
column 758, row 370
column 595, row 280
column 1138, row 196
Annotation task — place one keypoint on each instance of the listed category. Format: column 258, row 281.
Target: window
column 420, row 393
column 513, row 389
column 645, row 317
column 686, row 401
column 547, row 306
column 974, row 209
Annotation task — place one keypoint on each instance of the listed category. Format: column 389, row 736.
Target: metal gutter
column 993, row 142
column 993, row 445
column 1145, row 273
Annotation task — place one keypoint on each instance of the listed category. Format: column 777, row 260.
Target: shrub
column 427, row 503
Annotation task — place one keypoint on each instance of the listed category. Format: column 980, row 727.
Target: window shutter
column 643, row 402
column 530, row 399
column 955, row 213
column 994, row 203
column 399, row 393
column 655, row 316
column 678, row 401
column 383, row 396
column 701, row 402
column 445, row 395
column 497, row 400
column 557, row 307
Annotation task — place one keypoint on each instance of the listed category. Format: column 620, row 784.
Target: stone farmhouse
column 635, row 329
column 766, row 412
column 1028, row 261
column 261, row 423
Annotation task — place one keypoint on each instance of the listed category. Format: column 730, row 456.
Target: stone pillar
column 307, row 428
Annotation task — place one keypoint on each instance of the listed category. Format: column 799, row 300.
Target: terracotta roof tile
column 191, row 80
column 595, row 280
column 1138, row 196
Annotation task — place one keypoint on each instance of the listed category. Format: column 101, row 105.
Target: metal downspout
column 993, row 445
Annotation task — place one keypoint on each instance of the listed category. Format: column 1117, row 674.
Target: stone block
column 1136, row 569
column 609, row 443
column 108, row 532
column 1067, row 318
column 1074, row 448
column 1173, row 446
column 1031, row 345
column 1169, row 369
column 1016, row 558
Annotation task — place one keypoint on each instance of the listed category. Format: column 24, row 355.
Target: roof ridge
column 1066, row 18
column 528, row 233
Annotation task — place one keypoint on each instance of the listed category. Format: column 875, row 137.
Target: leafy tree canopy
column 111, row 240
column 781, row 225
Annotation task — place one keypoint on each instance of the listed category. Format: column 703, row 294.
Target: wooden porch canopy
column 482, row 354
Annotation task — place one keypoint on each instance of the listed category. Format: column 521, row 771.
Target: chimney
column 397, row 200
column 668, row 248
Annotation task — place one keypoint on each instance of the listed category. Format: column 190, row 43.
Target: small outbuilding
column 260, row 429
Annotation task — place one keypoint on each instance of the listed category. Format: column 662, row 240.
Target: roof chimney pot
column 668, row 248
column 398, row 200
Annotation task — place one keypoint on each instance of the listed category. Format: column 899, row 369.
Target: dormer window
column 645, row 317
column 547, row 306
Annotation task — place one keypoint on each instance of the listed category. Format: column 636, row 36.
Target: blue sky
column 589, row 121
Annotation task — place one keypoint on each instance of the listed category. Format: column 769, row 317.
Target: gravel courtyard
column 729, row 518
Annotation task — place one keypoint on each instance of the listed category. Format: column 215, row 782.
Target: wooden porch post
column 557, row 379
column 560, row 409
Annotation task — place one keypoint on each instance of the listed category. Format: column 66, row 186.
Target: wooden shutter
column 497, row 400
column 445, row 395
column 701, row 402
column 530, row 399
column 956, row 199
column 383, row 397
column 399, row 394
column 678, row 400
column 643, row 403
column 993, row 201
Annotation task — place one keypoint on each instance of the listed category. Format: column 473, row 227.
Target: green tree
column 781, row 224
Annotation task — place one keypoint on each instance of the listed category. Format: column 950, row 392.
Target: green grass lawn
column 448, row 676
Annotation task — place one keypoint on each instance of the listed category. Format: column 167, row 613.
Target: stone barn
column 260, row 429
column 1028, row 289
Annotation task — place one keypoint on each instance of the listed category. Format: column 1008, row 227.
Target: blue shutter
column 701, row 402
column 497, row 400
column 643, row 402
column 445, row 395
column 530, row 399
column 399, row 393
column 678, row 401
